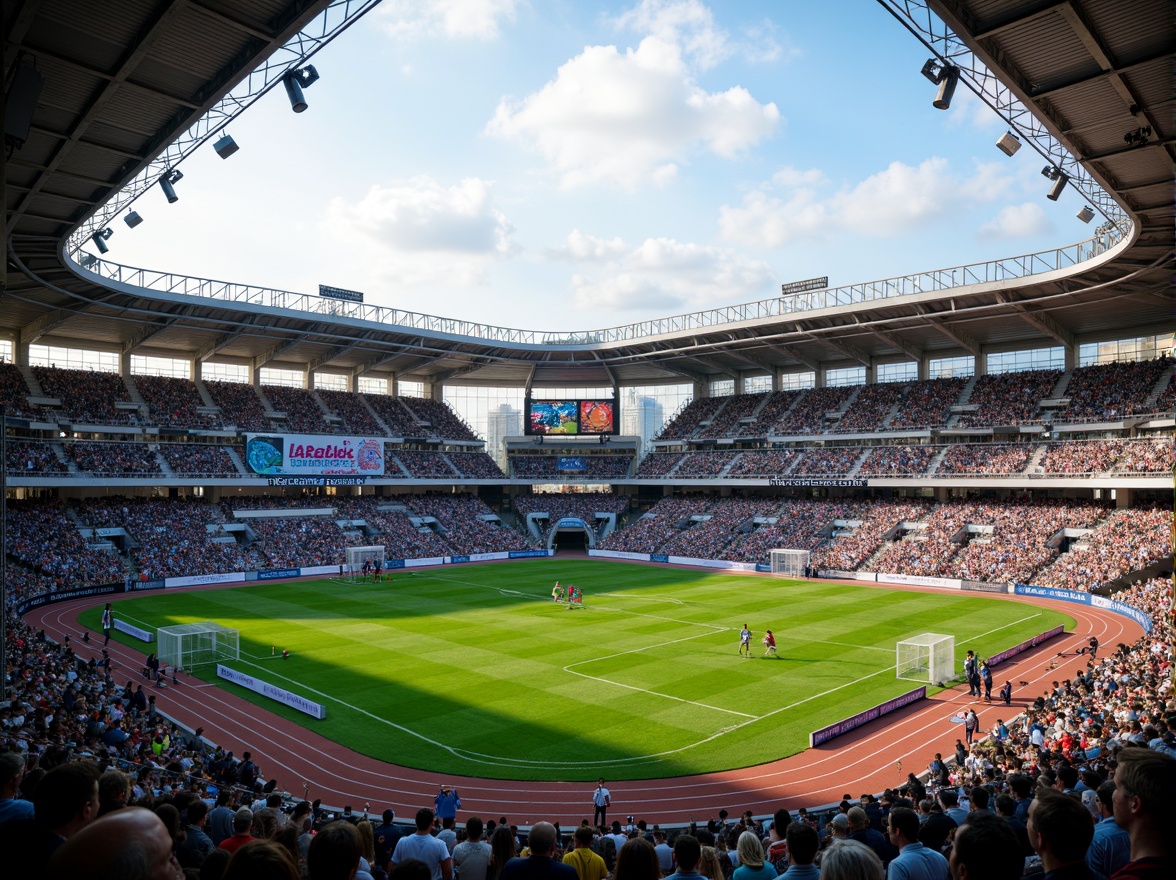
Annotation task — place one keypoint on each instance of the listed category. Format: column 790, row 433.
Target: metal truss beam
column 329, row 24
column 43, row 324
column 140, row 336
column 895, row 341
column 851, row 352
column 918, row 17
column 959, row 337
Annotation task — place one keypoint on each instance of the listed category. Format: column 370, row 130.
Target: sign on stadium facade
column 315, row 455
column 802, row 286
column 340, row 293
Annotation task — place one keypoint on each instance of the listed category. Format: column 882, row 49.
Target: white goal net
column 356, row 557
column 928, row 658
column 191, row 644
column 791, row 563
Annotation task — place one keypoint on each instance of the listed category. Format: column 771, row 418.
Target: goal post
column 791, row 563
column 928, row 658
column 191, row 644
column 355, row 557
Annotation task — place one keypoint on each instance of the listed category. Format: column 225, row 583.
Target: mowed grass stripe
column 474, row 669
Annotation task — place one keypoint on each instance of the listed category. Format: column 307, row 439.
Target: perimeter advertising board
column 314, row 455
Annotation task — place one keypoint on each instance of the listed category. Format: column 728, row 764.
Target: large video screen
column 571, row 417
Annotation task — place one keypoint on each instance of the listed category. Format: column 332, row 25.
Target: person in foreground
column 1144, row 806
column 851, row 860
column 130, row 844
column 914, row 860
column 985, row 847
column 540, row 865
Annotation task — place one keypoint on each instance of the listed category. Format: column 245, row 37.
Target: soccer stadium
column 776, row 542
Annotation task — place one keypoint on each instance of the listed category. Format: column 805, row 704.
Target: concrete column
column 924, row 364
column 197, row 369
column 1071, row 357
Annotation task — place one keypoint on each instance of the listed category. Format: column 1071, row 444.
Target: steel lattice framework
column 328, row 25
column 918, row 18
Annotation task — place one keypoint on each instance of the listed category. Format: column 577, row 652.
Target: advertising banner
column 196, row 580
column 314, row 710
column 834, row 730
column 314, row 455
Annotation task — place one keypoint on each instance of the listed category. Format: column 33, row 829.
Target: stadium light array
column 132, row 219
column 1060, row 179
column 1086, row 214
column 944, row 75
column 1008, row 143
column 167, row 184
column 99, row 238
column 225, row 146
column 295, row 81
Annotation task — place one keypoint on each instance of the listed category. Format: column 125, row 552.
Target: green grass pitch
column 475, row 670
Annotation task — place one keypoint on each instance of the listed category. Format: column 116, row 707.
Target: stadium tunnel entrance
column 571, row 533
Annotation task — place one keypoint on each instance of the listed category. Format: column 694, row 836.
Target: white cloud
column 419, row 230
column 690, row 25
column 687, row 24
column 1017, row 221
column 630, row 118
column 896, row 201
column 582, row 247
column 661, row 273
column 453, row 19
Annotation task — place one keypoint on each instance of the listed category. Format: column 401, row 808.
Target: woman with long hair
column 637, row 860
column 752, row 864
column 502, row 850
column 708, row 865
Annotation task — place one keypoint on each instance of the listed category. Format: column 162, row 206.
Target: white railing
column 936, row 280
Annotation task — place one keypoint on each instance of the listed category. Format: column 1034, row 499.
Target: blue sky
column 564, row 166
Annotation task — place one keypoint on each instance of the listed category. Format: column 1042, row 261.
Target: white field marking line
column 568, row 669
column 480, row 757
column 716, row 735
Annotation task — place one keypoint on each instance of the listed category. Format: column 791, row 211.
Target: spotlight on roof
column 225, row 146
column 167, row 184
column 1008, row 143
column 945, row 76
column 132, row 219
column 99, row 238
column 1060, row 179
column 1086, row 214
column 295, row 81
column 1139, row 137
column 87, row 260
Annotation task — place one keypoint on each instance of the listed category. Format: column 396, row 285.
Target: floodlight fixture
column 1008, row 143
column 132, row 219
column 225, row 146
column 295, row 81
column 99, row 238
column 167, row 184
column 1059, row 185
column 1086, row 214
column 944, row 75
column 1051, row 172
column 87, row 260
column 1139, row 137
column 947, row 86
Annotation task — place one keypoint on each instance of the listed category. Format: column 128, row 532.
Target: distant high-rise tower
column 502, row 421
column 642, row 417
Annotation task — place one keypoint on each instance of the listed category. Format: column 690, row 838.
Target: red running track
column 865, row 760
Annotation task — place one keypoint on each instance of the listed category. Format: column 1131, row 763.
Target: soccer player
column 745, row 641
column 770, row 645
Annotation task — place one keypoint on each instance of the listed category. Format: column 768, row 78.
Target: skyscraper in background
column 502, row 421
column 641, row 416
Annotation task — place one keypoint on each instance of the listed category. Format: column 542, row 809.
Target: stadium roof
column 123, row 81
